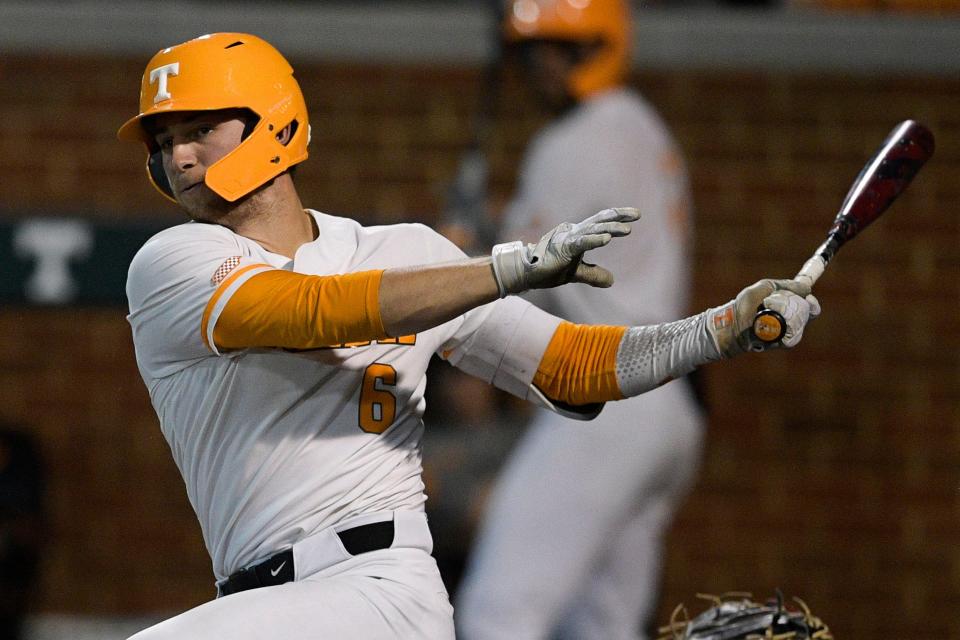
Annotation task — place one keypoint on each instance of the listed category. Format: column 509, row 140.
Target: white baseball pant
column 388, row 594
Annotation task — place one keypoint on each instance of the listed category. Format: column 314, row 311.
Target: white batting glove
column 731, row 324
column 795, row 310
column 557, row 258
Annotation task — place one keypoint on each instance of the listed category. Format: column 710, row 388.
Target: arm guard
column 281, row 309
column 587, row 364
column 653, row 355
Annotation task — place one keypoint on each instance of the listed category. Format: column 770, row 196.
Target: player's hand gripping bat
column 884, row 177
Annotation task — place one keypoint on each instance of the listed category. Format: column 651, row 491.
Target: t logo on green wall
column 50, row 260
column 52, row 244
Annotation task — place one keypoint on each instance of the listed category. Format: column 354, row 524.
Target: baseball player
column 285, row 351
column 605, row 493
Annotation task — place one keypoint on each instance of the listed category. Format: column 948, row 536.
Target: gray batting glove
column 558, row 257
column 731, row 325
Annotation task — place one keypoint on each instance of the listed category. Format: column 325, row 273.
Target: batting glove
column 731, row 325
column 558, row 257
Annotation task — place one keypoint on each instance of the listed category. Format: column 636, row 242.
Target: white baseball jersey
column 273, row 445
column 570, row 546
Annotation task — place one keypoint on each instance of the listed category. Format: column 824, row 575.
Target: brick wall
column 830, row 471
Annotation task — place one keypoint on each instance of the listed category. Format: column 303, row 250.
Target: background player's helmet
column 606, row 21
column 226, row 71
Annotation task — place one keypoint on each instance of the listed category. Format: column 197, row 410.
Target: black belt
column 278, row 569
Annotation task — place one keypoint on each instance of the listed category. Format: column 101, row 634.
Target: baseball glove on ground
column 734, row 616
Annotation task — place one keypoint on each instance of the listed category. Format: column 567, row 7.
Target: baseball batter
column 285, row 351
column 605, row 494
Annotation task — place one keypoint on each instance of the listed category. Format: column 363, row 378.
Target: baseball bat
column 884, row 177
column 466, row 197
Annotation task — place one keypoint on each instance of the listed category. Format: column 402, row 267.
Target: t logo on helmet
column 160, row 75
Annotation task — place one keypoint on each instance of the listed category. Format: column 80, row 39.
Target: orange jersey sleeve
column 276, row 308
column 580, row 364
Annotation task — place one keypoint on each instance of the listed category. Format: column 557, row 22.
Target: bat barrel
column 883, row 178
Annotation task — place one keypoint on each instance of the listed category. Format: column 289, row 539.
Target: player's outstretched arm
column 586, row 364
column 266, row 307
column 418, row 298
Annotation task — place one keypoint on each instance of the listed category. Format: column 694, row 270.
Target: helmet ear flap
column 157, row 175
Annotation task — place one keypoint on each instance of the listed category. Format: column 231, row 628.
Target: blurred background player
column 572, row 541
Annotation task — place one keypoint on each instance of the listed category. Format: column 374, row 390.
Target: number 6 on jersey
column 378, row 406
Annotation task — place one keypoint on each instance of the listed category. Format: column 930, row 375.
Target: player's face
column 190, row 142
column 548, row 65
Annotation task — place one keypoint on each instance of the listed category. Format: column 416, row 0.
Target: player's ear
column 284, row 136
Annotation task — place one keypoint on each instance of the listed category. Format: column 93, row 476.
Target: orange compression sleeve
column 580, row 364
column 290, row 310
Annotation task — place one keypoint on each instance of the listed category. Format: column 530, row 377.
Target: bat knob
column 768, row 325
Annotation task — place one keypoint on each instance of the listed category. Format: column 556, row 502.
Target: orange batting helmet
column 604, row 21
column 226, row 71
